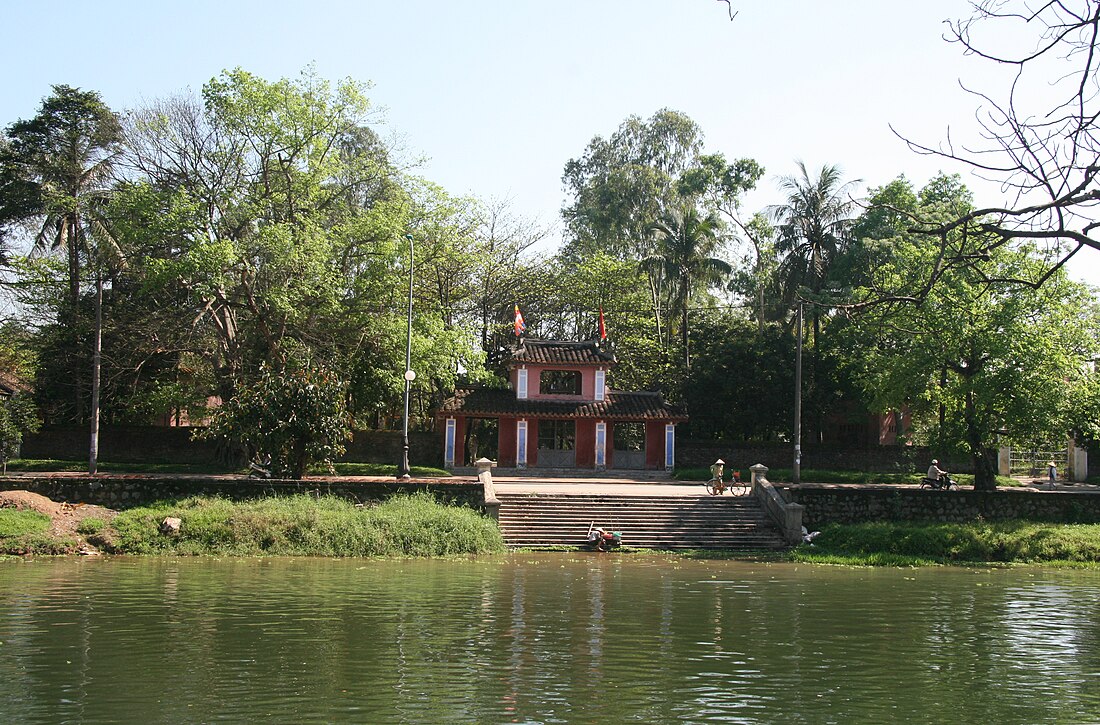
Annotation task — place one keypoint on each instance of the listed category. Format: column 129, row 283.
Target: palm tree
column 57, row 166
column 812, row 226
column 683, row 259
column 56, row 169
column 813, row 231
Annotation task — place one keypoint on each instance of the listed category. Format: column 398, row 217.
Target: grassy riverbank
column 915, row 544
column 414, row 525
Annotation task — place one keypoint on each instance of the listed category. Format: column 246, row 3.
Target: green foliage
column 91, row 526
column 383, row 469
column 973, row 359
column 17, row 415
column 292, row 417
column 304, row 526
column 1012, row 541
column 742, row 381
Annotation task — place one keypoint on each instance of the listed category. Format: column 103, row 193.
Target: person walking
column 1052, row 472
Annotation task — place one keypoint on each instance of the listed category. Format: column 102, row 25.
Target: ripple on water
column 542, row 639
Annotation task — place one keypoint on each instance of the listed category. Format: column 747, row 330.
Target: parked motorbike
column 260, row 468
column 943, row 483
column 600, row 539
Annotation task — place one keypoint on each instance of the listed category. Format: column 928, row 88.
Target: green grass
column 380, row 469
column 46, row 465
column 26, row 532
column 21, row 523
column 27, row 465
column 908, row 544
column 415, row 525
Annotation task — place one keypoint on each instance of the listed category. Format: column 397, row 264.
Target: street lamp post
column 410, row 375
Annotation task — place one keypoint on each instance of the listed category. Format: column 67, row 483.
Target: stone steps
column 652, row 522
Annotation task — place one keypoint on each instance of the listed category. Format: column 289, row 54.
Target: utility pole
column 797, row 476
column 403, row 466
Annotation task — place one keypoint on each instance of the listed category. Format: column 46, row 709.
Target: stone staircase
column 530, row 520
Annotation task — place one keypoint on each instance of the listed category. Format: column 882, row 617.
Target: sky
column 497, row 95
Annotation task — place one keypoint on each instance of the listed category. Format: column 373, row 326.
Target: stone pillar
column 484, row 467
column 1079, row 464
column 1004, row 461
column 759, row 473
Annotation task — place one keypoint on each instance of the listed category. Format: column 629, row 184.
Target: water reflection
column 543, row 639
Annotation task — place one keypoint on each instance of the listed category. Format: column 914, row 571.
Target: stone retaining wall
column 854, row 504
column 121, row 492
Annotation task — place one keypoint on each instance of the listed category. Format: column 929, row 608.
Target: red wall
column 655, row 444
column 534, row 376
column 506, row 442
column 460, row 439
column 532, row 442
column 586, row 443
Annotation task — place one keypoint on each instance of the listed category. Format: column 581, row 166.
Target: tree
column 17, row 415
column 61, row 162
column 686, row 242
column 293, row 417
column 1039, row 140
column 813, row 226
column 288, row 217
column 975, row 360
column 55, row 169
column 813, row 231
column 736, row 391
column 647, row 168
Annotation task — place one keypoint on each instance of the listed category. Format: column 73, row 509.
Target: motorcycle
column 600, row 539
column 943, row 483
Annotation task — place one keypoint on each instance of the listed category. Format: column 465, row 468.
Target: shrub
column 90, row 526
column 1003, row 541
column 414, row 525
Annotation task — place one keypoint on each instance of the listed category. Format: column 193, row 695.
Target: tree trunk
column 684, row 335
column 985, row 473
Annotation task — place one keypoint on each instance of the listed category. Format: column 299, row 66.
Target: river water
column 543, row 638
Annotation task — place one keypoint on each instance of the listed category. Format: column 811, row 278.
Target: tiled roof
column 553, row 352
column 617, row 406
column 9, row 385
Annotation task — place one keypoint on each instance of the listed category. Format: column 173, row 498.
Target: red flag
column 603, row 330
column 520, row 325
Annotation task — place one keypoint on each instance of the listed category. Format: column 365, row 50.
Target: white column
column 521, row 444
column 670, row 446
column 521, row 383
column 449, row 444
column 601, row 445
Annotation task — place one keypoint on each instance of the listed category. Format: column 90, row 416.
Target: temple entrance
column 629, row 446
column 482, row 437
column 557, row 444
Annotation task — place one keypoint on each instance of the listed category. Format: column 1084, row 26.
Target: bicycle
column 716, row 487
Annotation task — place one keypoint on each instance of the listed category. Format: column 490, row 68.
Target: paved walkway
column 621, row 483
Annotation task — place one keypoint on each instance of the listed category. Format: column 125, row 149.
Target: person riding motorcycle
column 935, row 473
